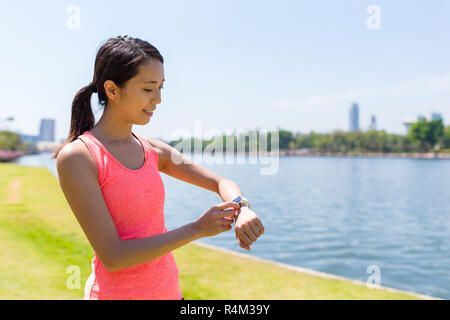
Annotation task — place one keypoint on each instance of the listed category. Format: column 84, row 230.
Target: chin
column 141, row 122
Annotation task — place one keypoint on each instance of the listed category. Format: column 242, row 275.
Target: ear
column 111, row 89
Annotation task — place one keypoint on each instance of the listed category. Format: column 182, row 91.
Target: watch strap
column 244, row 202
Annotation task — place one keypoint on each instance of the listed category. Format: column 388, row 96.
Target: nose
column 157, row 97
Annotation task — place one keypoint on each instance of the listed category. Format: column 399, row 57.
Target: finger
column 260, row 226
column 226, row 227
column 227, row 221
column 255, row 229
column 242, row 244
column 244, row 238
column 249, row 232
column 227, row 204
column 227, row 213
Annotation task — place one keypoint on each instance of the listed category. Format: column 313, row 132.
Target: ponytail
column 82, row 116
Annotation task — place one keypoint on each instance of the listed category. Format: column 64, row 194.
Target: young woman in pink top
column 110, row 178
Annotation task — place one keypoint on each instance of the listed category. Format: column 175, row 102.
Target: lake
column 340, row 215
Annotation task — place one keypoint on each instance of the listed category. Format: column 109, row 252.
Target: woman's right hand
column 215, row 221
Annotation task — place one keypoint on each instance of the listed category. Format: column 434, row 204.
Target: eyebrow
column 153, row 81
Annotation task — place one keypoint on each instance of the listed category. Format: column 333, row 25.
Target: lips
column 149, row 112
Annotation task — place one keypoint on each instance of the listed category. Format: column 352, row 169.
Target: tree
column 285, row 138
column 446, row 137
column 426, row 133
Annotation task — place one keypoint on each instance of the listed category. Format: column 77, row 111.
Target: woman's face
column 142, row 92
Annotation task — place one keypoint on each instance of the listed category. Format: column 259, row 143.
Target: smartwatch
column 243, row 202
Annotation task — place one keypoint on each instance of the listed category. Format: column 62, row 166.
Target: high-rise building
column 435, row 116
column 47, row 130
column 373, row 123
column 354, row 117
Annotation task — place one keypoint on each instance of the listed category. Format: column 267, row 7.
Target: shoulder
column 157, row 144
column 75, row 153
column 163, row 149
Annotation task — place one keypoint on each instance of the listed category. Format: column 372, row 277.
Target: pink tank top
column 135, row 200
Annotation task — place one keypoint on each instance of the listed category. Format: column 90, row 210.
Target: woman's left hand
column 248, row 227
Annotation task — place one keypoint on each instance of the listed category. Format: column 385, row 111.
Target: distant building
column 435, row 116
column 354, row 117
column 373, row 123
column 409, row 121
column 47, row 130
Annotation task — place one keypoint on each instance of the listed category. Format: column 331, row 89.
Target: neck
column 112, row 129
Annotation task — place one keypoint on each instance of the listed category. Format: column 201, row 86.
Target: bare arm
column 83, row 193
column 173, row 163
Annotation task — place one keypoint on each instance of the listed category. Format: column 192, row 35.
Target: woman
column 110, row 178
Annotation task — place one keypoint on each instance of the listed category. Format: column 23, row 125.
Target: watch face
column 237, row 200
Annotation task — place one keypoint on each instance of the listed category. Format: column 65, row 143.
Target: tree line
column 423, row 136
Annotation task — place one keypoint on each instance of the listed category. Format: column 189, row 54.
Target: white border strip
column 309, row 271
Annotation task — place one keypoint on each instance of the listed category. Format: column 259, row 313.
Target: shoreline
column 425, row 155
column 303, row 153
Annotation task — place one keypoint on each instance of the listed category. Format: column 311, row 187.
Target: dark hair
column 118, row 60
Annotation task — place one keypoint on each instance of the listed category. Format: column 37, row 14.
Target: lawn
column 41, row 239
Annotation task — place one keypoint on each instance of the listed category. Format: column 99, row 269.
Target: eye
column 149, row 90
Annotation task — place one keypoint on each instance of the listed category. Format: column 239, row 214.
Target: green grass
column 40, row 239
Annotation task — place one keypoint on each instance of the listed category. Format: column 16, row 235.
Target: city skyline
column 45, row 131
column 47, row 126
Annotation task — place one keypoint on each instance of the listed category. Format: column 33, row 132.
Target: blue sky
column 232, row 64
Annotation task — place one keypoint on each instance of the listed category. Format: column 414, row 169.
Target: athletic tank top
column 135, row 200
